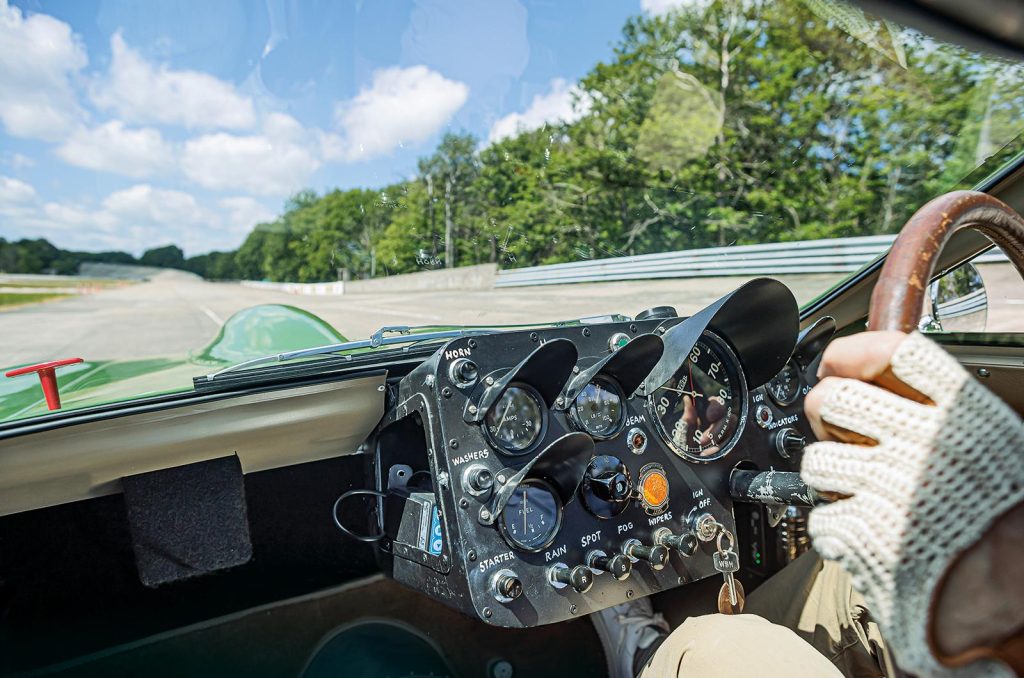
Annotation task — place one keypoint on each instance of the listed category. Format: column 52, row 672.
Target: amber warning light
column 47, row 378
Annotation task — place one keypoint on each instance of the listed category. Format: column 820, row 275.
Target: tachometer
column 598, row 409
column 530, row 520
column 784, row 387
column 515, row 423
column 700, row 409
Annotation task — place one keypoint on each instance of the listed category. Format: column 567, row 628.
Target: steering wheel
column 898, row 296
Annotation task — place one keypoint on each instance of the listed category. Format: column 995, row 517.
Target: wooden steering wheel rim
column 898, row 297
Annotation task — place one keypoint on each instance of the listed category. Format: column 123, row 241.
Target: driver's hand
column 924, row 460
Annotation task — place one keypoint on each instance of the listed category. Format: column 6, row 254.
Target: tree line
column 721, row 123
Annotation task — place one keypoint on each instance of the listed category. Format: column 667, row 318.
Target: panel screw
column 446, row 392
column 572, row 609
column 485, row 514
column 984, row 373
column 502, row 669
column 471, row 554
column 489, row 381
column 442, row 479
column 680, row 580
column 487, row 612
column 463, row 503
column 381, row 388
column 453, row 443
column 575, row 369
column 472, row 409
column 472, row 343
column 586, row 331
column 533, row 336
column 559, row 400
column 629, row 593
column 501, row 477
column 632, row 328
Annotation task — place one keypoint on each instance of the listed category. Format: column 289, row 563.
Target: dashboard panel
column 532, row 476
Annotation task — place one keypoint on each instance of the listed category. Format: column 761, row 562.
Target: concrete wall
column 479, row 277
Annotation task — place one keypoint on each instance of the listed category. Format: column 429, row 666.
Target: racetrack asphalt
column 174, row 312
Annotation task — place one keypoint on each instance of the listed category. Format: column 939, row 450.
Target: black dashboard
column 528, row 477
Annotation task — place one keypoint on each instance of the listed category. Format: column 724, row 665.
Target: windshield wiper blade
column 404, row 334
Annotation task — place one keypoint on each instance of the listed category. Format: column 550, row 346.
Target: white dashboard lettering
column 782, row 422
column 664, row 517
column 488, row 563
column 589, row 539
column 476, row 455
column 457, row 353
column 636, row 419
column 554, row 553
column 625, row 528
column 698, row 493
column 758, row 397
column 704, row 503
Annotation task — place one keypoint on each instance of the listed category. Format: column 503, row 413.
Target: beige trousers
column 805, row 621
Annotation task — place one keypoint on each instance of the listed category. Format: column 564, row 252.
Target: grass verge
column 8, row 301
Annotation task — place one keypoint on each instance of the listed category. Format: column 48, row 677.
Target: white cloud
column 39, row 57
column 14, row 192
column 556, row 105
column 141, row 92
column 661, row 7
column 113, row 148
column 276, row 162
column 401, row 106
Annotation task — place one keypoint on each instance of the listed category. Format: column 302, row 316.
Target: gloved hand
column 940, row 474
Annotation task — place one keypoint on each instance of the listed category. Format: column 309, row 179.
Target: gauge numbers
column 516, row 421
column 784, row 387
column 698, row 411
column 598, row 409
column 530, row 520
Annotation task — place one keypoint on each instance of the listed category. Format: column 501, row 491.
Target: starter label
column 488, row 563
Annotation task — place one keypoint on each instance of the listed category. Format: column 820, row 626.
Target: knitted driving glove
column 937, row 479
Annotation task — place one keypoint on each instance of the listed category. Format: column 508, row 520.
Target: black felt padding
column 188, row 520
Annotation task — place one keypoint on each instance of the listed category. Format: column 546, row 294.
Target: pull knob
column 612, row 487
column 580, row 578
column 656, row 556
column 463, row 371
column 477, row 480
column 506, row 586
column 618, row 566
column 788, row 442
column 685, row 544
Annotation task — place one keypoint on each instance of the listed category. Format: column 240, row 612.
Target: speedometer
column 598, row 409
column 700, row 409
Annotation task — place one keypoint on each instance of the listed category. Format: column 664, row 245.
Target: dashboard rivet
column 453, row 443
column 632, row 328
column 572, row 609
column 381, row 388
column 463, row 503
column 559, row 400
column 629, row 593
column 472, row 343
column 446, row 392
column 984, row 373
column 487, row 612
column 442, row 479
column 501, row 477
column 586, row 331
column 472, row 409
column 575, row 369
column 533, row 336
column 485, row 514
column 489, row 381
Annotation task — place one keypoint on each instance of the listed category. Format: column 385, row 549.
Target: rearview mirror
column 957, row 302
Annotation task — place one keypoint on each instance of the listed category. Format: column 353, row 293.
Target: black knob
column 507, row 587
column 788, row 442
column 657, row 312
column 685, row 543
column 618, row 566
column 656, row 556
column 611, row 486
column 580, row 578
column 464, row 371
column 479, row 479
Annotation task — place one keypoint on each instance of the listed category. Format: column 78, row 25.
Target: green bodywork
column 250, row 333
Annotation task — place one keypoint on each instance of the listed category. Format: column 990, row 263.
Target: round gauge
column 784, row 387
column 515, row 423
column 598, row 409
column 699, row 411
column 530, row 520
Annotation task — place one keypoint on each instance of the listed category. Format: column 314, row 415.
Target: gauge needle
column 524, row 510
column 677, row 390
column 503, row 415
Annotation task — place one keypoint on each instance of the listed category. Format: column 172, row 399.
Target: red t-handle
column 47, row 378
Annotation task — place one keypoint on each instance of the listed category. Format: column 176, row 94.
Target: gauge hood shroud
column 760, row 319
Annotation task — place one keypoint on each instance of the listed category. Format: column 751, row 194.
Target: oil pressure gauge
column 598, row 409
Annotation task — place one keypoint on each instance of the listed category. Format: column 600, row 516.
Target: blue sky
column 128, row 125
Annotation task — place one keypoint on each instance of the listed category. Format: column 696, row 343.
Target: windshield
column 186, row 186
